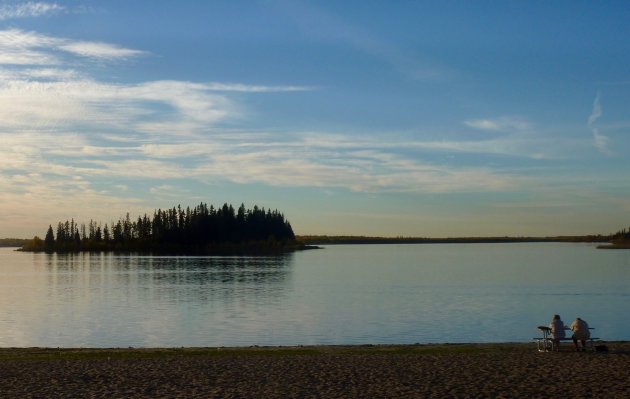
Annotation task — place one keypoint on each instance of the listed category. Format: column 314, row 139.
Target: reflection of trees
column 66, row 275
column 187, row 279
column 225, row 279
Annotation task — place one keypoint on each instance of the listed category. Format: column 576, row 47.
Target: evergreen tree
column 49, row 241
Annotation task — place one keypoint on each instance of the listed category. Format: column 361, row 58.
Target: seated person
column 580, row 333
column 557, row 331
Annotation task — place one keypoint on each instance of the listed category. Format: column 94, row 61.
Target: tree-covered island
column 619, row 240
column 200, row 230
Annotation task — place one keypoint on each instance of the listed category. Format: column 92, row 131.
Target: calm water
column 339, row 295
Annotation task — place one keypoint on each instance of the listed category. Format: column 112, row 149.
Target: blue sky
column 401, row 118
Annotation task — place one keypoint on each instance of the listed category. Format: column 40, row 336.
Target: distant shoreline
column 336, row 240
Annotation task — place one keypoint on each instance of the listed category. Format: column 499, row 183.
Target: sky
column 376, row 118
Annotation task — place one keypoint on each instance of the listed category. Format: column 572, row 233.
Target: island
column 199, row 230
column 619, row 240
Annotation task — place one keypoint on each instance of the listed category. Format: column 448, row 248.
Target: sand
column 397, row 371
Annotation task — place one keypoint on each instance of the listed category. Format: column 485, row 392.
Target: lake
column 342, row 294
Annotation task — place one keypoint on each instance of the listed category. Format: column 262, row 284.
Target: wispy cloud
column 168, row 105
column 238, row 87
column 26, row 48
column 18, row 47
column 332, row 161
column 596, row 113
column 498, row 124
column 483, row 124
column 99, row 50
column 360, row 167
column 600, row 141
column 29, row 9
column 46, row 74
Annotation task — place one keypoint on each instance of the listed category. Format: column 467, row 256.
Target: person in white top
column 580, row 333
column 557, row 331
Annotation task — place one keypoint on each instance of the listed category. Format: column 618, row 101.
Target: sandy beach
column 396, row 371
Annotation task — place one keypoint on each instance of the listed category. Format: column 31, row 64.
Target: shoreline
column 350, row 240
column 615, row 246
column 355, row 371
column 325, row 348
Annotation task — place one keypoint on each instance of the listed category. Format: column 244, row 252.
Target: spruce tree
column 49, row 241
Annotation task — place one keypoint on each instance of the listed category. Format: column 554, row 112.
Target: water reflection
column 341, row 295
column 100, row 299
column 200, row 275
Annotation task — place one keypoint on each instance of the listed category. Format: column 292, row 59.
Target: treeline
column 201, row 229
column 332, row 240
column 12, row 242
column 621, row 236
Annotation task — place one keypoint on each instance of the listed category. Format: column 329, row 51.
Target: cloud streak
column 18, row 47
column 600, row 141
column 29, row 9
column 498, row 124
column 99, row 50
column 171, row 107
column 242, row 88
column 596, row 113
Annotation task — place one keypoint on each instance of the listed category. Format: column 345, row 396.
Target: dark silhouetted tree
column 49, row 240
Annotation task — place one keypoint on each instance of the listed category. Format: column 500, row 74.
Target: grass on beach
column 10, row 354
